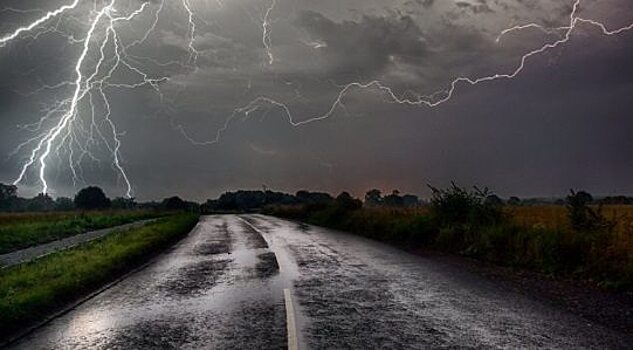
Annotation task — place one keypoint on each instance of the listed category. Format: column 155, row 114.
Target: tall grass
column 18, row 231
column 31, row 291
column 539, row 238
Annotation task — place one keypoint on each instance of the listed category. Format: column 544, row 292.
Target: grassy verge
column 19, row 231
column 540, row 239
column 31, row 291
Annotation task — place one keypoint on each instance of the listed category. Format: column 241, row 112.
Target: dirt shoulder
column 610, row 308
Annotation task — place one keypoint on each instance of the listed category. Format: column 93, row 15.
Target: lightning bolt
column 49, row 15
column 433, row 99
column 266, row 37
column 193, row 53
column 88, row 88
column 84, row 120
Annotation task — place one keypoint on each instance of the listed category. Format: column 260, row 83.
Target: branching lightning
column 88, row 92
column 76, row 125
column 266, row 36
column 436, row 98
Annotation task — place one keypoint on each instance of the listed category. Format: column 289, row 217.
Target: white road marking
column 293, row 341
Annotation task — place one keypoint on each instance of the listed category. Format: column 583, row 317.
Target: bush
column 582, row 217
column 456, row 206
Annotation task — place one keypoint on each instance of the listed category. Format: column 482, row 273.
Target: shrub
column 455, row 206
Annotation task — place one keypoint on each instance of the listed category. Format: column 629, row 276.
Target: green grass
column 31, row 291
column 19, row 231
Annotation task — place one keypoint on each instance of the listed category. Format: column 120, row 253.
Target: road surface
column 256, row 282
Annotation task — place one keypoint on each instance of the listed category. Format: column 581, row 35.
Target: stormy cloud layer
column 564, row 122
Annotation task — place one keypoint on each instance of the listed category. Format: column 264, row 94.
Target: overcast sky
column 564, row 122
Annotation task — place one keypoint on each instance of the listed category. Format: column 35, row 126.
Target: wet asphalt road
column 229, row 285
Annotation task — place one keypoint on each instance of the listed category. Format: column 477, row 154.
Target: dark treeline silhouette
column 245, row 201
column 94, row 198
column 89, row 198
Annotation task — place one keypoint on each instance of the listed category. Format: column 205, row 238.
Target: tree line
column 89, row 198
column 94, row 198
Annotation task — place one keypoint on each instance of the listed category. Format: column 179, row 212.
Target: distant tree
column 64, row 204
column 346, row 202
column 582, row 196
column 617, row 200
column 42, row 202
column 494, row 200
column 410, row 200
column 91, row 198
column 514, row 201
column 394, row 199
column 123, row 203
column 174, row 203
column 318, row 198
column 373, row 197
column 8, row 193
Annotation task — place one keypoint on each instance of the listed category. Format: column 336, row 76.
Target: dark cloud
column 565, row 121
column 477, row 7
column 366, row 45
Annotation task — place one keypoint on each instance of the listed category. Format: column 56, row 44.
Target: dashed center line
column 293, row 341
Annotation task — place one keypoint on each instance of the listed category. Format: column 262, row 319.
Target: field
column 31, row 291
column 538, row 238
column 22, row 230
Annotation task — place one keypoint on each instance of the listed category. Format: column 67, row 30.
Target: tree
column 583, row 196
column 42, row 202
column 346, row 202
column 410, row 200
column 64, row 204
column 514, row 201
column 373, row 197
column 123, row 203
column 494, row 200
column 91, row 198
column 174, row 203
column 8, row 193
column 394, row 199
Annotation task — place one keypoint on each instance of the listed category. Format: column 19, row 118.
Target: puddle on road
column 221, row 286
column 196, row 278
column 267, row 266
column 254, row 240
column 169, row 333
column 212, row 248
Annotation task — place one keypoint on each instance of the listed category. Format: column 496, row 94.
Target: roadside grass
column 537, row 238
column 31, row 291
column 19, row 231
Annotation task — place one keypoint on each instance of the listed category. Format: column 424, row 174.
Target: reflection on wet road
column 230, row 284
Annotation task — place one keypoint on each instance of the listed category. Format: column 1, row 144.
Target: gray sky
column 563, row 122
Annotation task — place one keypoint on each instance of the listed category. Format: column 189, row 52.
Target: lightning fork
column 52, row 14
column 266, row 36
column 439, row 97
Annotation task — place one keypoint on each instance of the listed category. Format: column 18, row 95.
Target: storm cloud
column 563, row 122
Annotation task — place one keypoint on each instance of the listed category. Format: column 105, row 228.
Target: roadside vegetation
column 26, row 222
column 576, row 239
column 19, row 231
column 29, row 292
